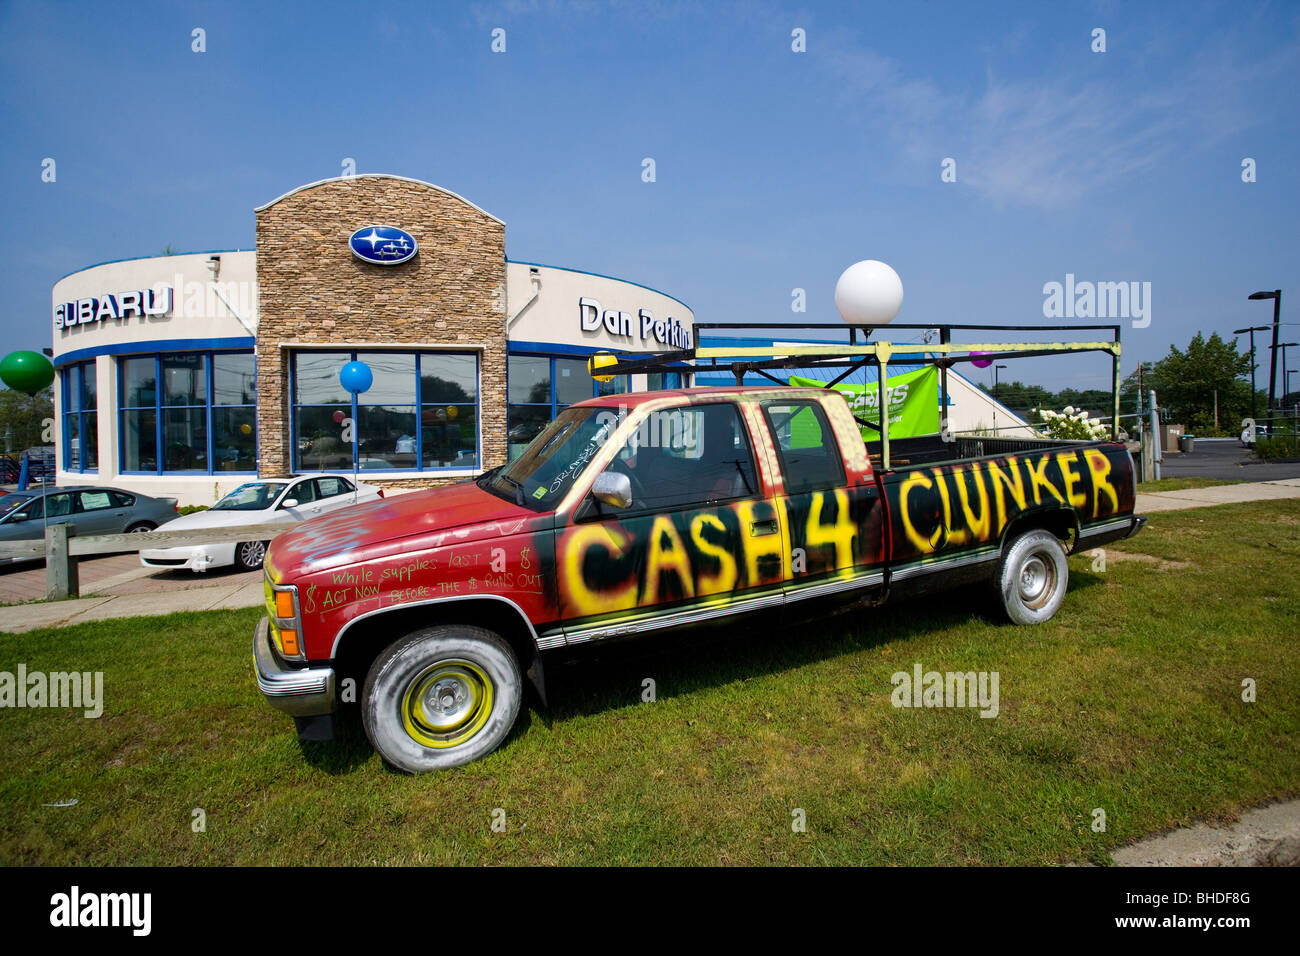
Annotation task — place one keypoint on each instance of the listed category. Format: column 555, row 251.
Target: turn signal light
column 289, row 643
column 284, row 604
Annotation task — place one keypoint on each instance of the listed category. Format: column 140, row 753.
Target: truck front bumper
column 298, row 691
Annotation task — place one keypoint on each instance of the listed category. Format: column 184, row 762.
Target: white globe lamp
column 868, row 293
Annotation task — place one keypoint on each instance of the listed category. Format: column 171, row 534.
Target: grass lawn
column 1181, row 484
column 1128, row 701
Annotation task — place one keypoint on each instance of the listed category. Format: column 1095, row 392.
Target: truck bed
column 926, row 450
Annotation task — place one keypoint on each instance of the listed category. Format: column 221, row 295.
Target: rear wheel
column 1033, row 577
column 441, row 697
column 140, row 528
column 249, row 555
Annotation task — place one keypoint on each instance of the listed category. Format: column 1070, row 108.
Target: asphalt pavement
column 1225, row 459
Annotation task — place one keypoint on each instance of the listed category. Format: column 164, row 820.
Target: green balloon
column 28, row 372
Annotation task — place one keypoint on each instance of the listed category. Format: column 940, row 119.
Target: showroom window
column 189, row 413
column 539, row 387
column 419, row 414
column 80, row 421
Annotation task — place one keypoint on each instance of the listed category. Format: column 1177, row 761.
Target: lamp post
column 1284, row 346
column 1276, row 296
column 995, row 379
column 1252, row 330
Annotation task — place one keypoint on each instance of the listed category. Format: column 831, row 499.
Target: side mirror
column 289, row 503
column 17, row 517
column 613, row 489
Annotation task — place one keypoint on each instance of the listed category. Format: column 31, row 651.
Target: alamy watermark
column 1098, row 300
column 79, row 690
column 922, row 688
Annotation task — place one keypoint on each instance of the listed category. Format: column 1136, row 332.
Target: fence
column 61, row 548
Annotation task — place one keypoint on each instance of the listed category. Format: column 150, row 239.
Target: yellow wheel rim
column 447, row 704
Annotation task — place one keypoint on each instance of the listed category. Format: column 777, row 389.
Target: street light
column 995, row 379
column 1276, row 296
column 1284, row 346
column 1252, row 330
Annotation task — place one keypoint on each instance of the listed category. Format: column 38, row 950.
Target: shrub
column 1281, row 446
column 1070, row 424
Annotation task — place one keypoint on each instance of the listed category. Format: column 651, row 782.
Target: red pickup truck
column 635, row 513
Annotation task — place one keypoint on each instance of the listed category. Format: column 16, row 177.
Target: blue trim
column 109, row 262
column 598, row 275
column 546, row 350
column 159, row 345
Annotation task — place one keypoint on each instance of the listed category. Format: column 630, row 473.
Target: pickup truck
column 632, row 514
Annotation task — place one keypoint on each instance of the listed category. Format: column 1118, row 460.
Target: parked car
column 1250, row 435
column 264, row 501
column 12, row 499
column 733, row 501
column 88, row 509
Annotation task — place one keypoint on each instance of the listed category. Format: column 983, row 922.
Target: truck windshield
column 541, row 476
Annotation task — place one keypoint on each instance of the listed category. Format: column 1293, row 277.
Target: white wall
column 554, row 315
column 972, row 408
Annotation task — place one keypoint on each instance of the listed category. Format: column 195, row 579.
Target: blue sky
column 774, row 170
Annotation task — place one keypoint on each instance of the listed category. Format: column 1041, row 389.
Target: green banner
column 913, row 402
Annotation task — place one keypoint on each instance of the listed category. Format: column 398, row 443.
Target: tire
column 249, row 555
column 1033, row 577
column 140, row 527
column 449, row 659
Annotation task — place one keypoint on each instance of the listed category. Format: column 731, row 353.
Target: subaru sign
column 383, row 245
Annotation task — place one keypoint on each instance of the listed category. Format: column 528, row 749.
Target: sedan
column 89, row 510
column 266, row 501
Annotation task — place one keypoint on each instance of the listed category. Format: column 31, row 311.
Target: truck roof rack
column 854, row 355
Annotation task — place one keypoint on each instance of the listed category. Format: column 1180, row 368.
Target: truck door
column 834, row 523
column 700, row 540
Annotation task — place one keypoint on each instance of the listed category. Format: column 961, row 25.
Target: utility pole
column 1254, row 411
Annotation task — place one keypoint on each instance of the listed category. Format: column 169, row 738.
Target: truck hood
column 415, row 521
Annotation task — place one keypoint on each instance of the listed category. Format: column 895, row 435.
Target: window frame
column 75, row 410
column 160, row 407
column 356, row 401
column 591, row 509
column 827, row 433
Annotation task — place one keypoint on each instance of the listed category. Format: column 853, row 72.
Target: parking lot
column 1225, row 459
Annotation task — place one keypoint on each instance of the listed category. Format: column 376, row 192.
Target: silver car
column 90, row 510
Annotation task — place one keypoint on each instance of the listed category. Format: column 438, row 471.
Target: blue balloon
column 356, row 377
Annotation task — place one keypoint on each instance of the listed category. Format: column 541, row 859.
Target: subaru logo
column 383, row 245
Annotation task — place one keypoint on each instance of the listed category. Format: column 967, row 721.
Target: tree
column 23, row 418
column 1187, row 383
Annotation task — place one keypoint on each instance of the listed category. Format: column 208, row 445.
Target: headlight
column 282, row 609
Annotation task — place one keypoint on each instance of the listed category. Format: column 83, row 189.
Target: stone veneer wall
column 311, row 289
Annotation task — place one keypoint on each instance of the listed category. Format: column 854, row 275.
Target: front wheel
column 1033, row 577
column 441, row 697
column 249, row 555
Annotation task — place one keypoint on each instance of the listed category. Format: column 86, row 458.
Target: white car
column 264, row 501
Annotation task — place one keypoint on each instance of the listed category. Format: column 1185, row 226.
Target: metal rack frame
column 854, row 356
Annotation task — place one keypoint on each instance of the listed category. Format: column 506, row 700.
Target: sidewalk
column 248, row 593
column 1217, row 495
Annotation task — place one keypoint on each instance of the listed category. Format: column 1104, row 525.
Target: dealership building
column 185, row 375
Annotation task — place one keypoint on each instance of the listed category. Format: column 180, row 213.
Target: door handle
column 759, row 528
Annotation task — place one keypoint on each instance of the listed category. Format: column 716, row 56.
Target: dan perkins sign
column 913, row 402
column 623, row 325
